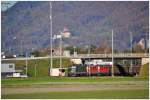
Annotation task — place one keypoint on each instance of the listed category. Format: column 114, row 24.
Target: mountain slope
column 88, row 22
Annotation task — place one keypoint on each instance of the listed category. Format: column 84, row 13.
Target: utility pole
column 26, row 65
column 61, row 51
column 89, row 51
column 74, row 50
column 35, row 68
column 3, row 46
column 51, row 37
column 131, row 65
column 112, row 70
column 9, row 50
column 89, row 47
column 13, row 50
column 21, row 49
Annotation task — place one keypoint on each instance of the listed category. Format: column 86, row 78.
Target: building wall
column 7, row 68
column 145, row 61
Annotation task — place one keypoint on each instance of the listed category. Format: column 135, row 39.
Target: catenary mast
column 51, row 38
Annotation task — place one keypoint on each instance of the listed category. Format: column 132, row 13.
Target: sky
column 7, row 4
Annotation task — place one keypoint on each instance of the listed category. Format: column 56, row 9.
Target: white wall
column 145, row 60
column 54, row 72
column 7, row 67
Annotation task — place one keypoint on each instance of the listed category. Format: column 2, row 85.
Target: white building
column 7, row 70
column 58, row 72
column 66, row 53
column 65, row 33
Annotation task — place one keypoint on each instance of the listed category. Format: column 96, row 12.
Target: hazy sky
column 7, row 4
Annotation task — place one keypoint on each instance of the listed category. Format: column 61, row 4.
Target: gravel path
column 61, row 87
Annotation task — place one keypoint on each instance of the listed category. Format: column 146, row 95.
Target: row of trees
column 101, row 49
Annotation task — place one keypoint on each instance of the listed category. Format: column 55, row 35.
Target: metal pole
column 26, row 64
column 89, row 59
column 131, row 66
column 3, row 46
column 112, row 70
column 60, row 52
column 89, row 71
column 74, row 51
column 9, row 50
column 21, row 51
column 13, row 50
column 51, row 45
column 35, row 68
column 89, row 51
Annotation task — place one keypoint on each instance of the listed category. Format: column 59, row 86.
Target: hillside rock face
column 27, row 24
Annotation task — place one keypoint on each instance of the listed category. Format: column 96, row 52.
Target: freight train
column 91, row 68
column 97, row 67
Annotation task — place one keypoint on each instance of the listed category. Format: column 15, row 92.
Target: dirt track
column 52, row 87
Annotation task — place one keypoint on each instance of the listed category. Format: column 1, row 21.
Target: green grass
column 42, row 65
column 46, row 80
column 144, row 72
column 103, row 94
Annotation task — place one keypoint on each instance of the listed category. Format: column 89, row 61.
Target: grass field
column 46, row 80
column 144, row 72
column 42, row 65
column 127, row 89
column 104, row 94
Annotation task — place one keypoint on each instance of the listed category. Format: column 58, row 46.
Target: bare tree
column 103, row 48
